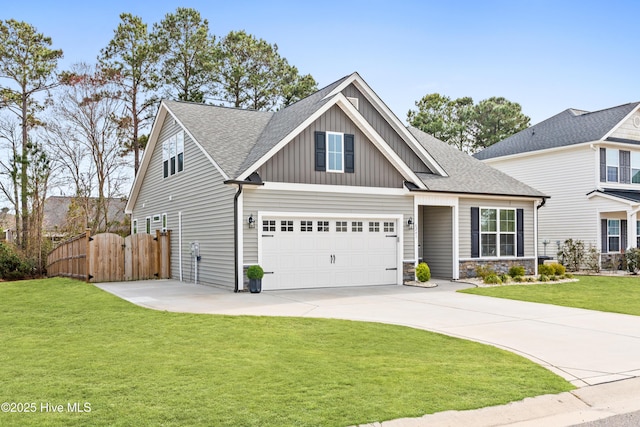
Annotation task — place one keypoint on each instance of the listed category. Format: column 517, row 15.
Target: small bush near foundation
column 531, row 279
column 553, row 278
column 545, row 269
column 492, row 279
column 558, row 269
column 516, row 270
column 568, row 276
column 518, row 279
column 543, row 278
column 423, row 272
column 505, row 278
column 255, row 272
column 572, row 254
column 482, row 271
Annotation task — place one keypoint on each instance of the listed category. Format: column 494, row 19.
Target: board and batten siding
column 266, row 200
column 436, row 239
column 295, row 162
column 207, row 211
column 388, row 133
column 629, row 129
column 567, row 176
column 464, row 217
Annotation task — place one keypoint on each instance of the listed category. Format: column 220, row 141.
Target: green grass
column 602, row 293
column 65, row 341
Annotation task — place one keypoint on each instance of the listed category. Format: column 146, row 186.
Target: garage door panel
column 321, row 252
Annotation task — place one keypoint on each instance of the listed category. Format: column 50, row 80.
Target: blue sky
column 545, row 55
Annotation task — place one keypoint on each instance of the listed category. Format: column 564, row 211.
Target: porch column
column 632, row 218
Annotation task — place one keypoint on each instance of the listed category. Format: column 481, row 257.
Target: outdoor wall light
column 251, row 221
column 410, row 222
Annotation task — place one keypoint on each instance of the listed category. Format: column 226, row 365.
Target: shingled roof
column 237, row 138
column 570, row 127
column 466, row 174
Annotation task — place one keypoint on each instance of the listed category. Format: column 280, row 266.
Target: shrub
column 543, row 278
column 505, row 278
column 546, row 269
column 633, row 260
column 572, row 254
column 568, row 276
column 12, row 265
column 558, row 269
column 423, row 272
column 530, row 279
column 492, row 279
column 255, row 272
column 516, row 270
column 482, row 271
column 553, row 278
column 518, row 279
column 592, row 259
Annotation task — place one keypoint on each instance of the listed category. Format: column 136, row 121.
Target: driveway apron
column 583, row 346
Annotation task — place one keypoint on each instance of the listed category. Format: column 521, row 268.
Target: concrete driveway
column 585, row 347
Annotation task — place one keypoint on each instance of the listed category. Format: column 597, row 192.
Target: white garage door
column 326, row 252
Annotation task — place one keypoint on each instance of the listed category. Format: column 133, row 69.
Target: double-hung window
column 635, row 167
column 613, row 235
column 497, row 232
column 335, row 152
column 613, row 158
column 173, row 155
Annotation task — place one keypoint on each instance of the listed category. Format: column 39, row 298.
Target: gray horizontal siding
column 388, row 133
column 296, row 161
column 261, row 200
column 207, row 211
column 464, row 216
column 436, row 240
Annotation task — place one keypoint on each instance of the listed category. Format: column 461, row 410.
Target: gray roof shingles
column 466, row 174
column 237, row 138
column 566, row 128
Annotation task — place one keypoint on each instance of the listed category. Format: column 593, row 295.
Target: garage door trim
column 338, row 215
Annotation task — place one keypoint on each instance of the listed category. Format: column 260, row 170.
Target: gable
column 629, row 129
column 295, row 162
column 384, row 128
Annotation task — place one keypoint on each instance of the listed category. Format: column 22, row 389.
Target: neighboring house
column 589, row 163
column 68, row 216
column 331, row 191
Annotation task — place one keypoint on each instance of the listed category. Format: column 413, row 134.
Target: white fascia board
column 539, row 152
column 382, row 108
column 501, row 197
column 341, row 101
column 154, row 136
column 612, row 198
column 326, row 188
column 377, row 140
column 146, row 157
column 613, row 129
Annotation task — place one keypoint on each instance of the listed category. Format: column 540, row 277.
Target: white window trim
column 328, row 169
column 499, row 232
column 609, row 236
column 616, row 165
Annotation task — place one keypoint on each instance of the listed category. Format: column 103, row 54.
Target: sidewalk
column 564, row 409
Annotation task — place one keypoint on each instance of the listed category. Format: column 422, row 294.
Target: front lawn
column 67, row 343
column 603, row 293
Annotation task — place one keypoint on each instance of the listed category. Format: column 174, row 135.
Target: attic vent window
column 354, row 101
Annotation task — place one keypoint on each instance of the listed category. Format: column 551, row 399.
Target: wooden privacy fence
column 107, row 257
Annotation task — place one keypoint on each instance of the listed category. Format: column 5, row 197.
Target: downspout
column 544, row 201
column 235, row 236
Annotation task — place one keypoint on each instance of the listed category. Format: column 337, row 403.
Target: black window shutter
column 321, row 151
column 604, row 241
column 623, row 234
column 520, row 232
column 625, row 167
column 603, row 165
column 475, row 232
column 349, row 158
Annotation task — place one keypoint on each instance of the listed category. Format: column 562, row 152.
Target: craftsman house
column 331, row 191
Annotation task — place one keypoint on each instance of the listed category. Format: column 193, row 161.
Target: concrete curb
column 557, row 410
